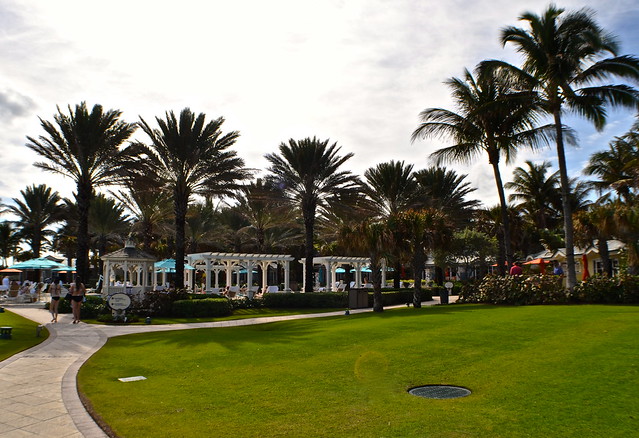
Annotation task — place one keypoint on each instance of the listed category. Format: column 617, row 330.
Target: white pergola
column 136, row 267
column 216, row 262
column 331, row 263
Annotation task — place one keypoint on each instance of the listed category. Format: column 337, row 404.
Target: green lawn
column 23, row 335
column 237, row 314
column 538, row 371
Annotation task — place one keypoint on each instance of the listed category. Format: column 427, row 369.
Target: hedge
column 207, row 307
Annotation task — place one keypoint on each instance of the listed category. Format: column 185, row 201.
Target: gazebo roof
column 129, row 253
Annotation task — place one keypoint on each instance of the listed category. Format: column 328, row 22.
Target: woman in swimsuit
column 55, row 290
column 77, row 290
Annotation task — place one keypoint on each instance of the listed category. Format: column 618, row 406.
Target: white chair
column 272, row 289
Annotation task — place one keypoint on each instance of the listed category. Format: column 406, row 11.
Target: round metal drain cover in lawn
column 439, row 391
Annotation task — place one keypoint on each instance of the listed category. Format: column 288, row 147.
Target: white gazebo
column 332, row 263
column 212, row 263
column 127, row 270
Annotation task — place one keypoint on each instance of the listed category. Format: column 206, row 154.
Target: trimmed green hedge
column 206, row 307
column 332, row 300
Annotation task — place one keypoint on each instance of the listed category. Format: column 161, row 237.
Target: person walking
column 77, row 291
column 56, row 291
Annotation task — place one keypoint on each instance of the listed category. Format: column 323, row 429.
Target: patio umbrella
column 10, row 271
column 39, row 263
column 169, row 265
column 64, row 269
column 585, row 274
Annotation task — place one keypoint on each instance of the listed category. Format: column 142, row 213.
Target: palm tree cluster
column 185, row 189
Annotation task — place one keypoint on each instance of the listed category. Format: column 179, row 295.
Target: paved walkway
column 38, row 392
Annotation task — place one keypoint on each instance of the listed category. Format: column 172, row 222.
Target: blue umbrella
column 363, row 270
column 341, row 270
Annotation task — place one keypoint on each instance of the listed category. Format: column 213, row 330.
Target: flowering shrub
column 608, row 290
column 516, row 290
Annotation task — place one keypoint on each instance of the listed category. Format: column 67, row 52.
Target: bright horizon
column 355, row 72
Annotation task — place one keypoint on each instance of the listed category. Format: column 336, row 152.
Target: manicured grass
column 538, row 371
column 237, row 314
column 23, row 335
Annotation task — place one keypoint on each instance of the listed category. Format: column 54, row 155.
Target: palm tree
column 86, row 147
column 108, row 223
column 424, row 231
column 263, row 206
column 189, row 157
column 36, row 212
column 537, row 192
column 445, row 190
column 596, row 224
column 391, row 188
column 495, row 119
column 308, row 172
column 150, row 209
column 200, row 224
column 612, row 167
column 9, row 241
column 564, row 56
column 369, row 238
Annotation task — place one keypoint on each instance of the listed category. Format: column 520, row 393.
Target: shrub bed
column 91, row 308
column 318, row 300
column 516, row 290
column 608, row 290
column 207, row 307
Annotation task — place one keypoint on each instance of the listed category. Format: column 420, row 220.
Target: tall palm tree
column 36, row 212
column 537, row 192
column 200, row 224
column 308, row 171
column 9, row 241
column 86, row 147
column 391, row 188
column 565, row 57
column 189, row 157
column 494, row 118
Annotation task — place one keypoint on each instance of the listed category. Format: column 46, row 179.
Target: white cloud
column 355, row 71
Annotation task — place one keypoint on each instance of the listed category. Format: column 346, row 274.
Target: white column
column 287, row 273
column 383, row 272
column 303, row 262
column 207, row 271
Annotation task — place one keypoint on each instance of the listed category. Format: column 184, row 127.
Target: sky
column 357, row 72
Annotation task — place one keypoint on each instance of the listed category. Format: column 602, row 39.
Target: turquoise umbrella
column 39, row 263
column 168, row 265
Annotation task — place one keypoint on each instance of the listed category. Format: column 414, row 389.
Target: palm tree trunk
column 418, row 266
column 604, row 253
column 376, row 276
column 83, row 199
column 181, row 204
column 505, row 223
column 308, row 210
column 571, row 275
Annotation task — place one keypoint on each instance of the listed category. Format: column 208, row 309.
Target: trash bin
column 358, row 298
column 443, row 296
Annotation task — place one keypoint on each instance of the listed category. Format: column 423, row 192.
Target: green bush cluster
column 623, row 289
column 516, row 290
column 91, row 308
column 200, row 308
column 317, row 300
